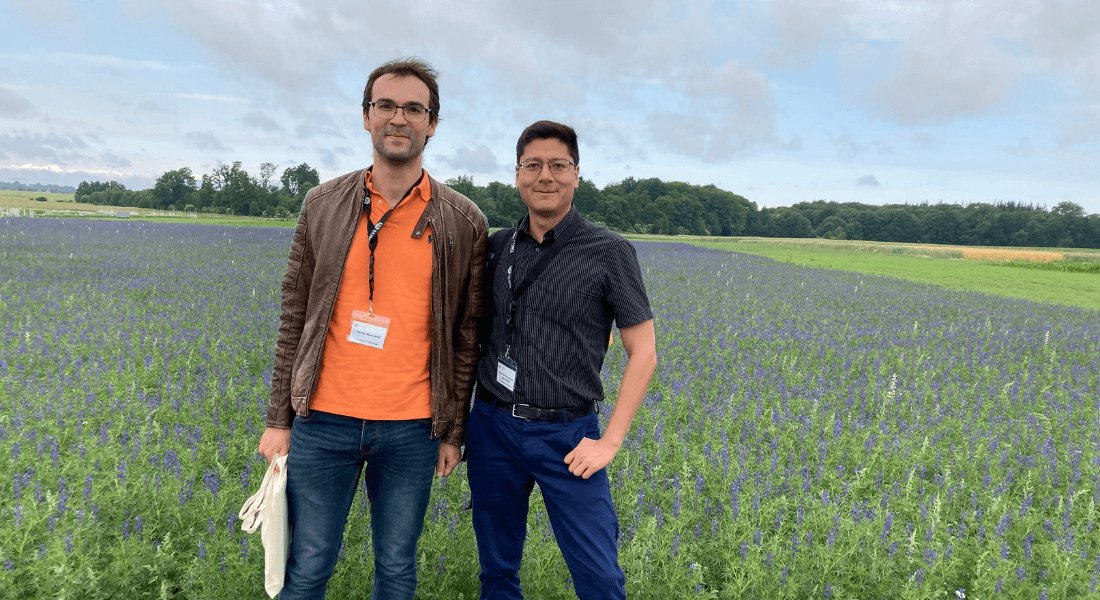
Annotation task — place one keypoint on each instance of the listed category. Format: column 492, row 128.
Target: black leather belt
column 533, row 413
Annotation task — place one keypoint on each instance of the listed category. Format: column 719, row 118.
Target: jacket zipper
column 435, row 328
column 332, row 307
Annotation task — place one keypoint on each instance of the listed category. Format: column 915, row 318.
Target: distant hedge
column 651, row 206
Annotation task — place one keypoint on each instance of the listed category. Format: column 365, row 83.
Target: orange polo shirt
column 390, row 383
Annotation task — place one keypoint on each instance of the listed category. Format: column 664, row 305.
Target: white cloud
column 478, row 159
column 1062, row 30
column 924, row 141
column 49, row 11
column 882, row 147
column 867, row 180
column 801, row 27
column 113, row 160
column 12, row 103
column 1021, row 148
column 36, row 147
column 258, row 120
column 203, row 140
column 847, row 146
column 729, row 110
column 318, row 125
column 794, row 144
column 114, row 64
column 152, row 107
column 943, row 60
column 213, row 98
column 330, row 157
column 1081, row 125
column 558, row 58
column 945, row 74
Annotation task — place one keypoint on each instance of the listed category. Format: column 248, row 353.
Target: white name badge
column 368, row 330
column 506, row 374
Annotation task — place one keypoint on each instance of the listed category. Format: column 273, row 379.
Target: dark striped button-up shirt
column 564, row 319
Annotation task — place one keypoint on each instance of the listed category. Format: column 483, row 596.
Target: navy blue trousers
column 506, row 457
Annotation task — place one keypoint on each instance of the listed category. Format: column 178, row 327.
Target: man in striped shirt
column 556, row 283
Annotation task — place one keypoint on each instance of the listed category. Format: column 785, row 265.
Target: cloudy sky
column 782, row 101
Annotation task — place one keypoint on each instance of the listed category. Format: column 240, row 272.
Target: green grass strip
column 1041, row 285
column 1065, row 267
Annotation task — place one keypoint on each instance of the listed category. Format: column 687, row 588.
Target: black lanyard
column 540, row 266
column 374, row 228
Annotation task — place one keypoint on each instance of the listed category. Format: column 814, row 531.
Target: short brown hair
column 549, row 130
column 408, row 67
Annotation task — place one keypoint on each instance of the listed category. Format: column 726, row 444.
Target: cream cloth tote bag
column 267, row 508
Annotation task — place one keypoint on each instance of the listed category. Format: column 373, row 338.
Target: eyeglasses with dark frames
column 534, row 167
column 414, row 113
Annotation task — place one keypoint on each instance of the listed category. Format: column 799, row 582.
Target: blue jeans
column 505, row 457
column 327, row 453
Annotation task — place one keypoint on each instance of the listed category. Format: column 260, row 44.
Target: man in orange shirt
column 377, row 344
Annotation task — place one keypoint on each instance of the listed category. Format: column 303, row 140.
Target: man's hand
column 449, row 455
column 274, row 439
column 590, row 456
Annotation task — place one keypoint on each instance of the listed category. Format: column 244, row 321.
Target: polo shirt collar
column 421, row 190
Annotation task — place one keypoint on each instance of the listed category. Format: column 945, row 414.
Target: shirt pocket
column 580, row 300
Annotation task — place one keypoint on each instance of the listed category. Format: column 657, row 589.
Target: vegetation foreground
column 810, row 433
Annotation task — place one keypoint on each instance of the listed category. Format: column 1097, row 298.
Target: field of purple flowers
column 809, row 434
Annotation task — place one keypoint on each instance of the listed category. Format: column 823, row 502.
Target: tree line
column 648, row 206
column 673, row 208
column 228, row 190
column 977, row 224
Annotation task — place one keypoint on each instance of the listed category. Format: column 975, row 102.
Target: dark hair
column 408, row 67
column 549, row 130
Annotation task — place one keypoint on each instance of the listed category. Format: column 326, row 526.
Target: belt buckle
column 517, row 416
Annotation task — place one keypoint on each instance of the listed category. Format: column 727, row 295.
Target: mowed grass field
column 809, row 433
column 934, row 264
column 63, row 202
column 26, row 200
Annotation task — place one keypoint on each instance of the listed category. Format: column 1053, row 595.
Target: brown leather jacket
column 318, row 254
